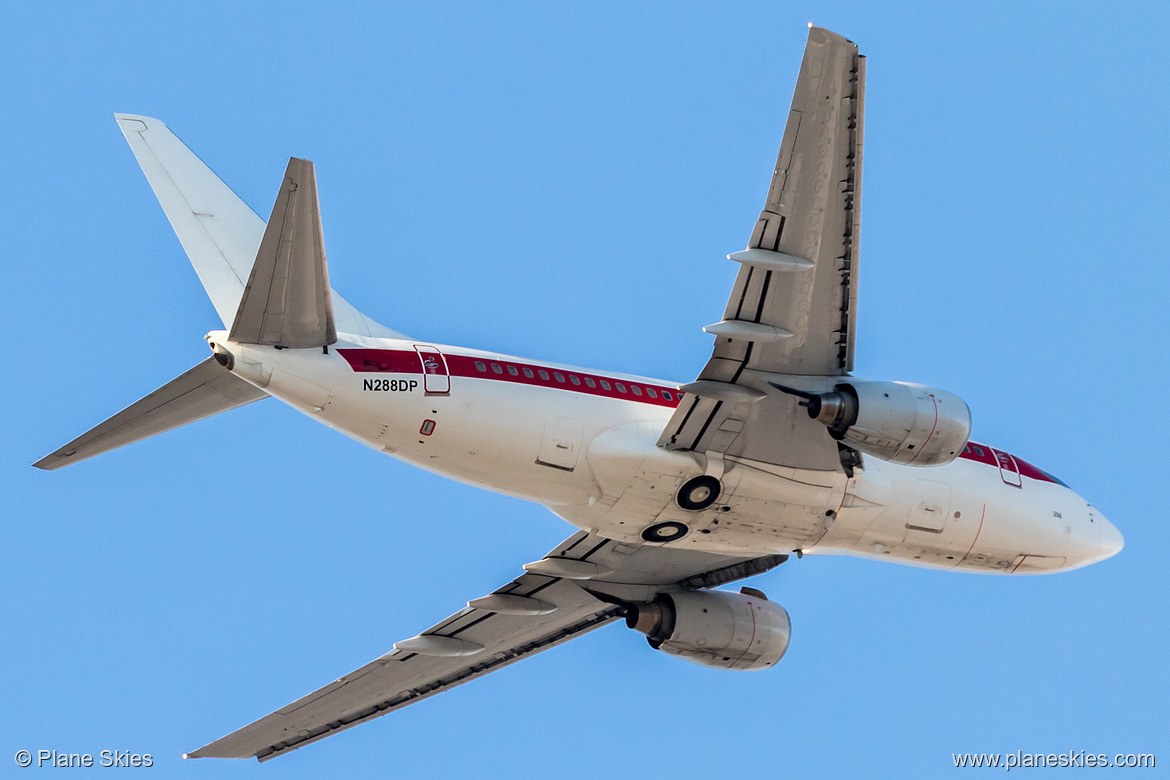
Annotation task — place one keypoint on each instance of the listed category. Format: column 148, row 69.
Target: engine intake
column 715, row 628
column 895, row 421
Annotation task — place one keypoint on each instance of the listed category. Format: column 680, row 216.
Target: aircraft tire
column 665, row 532
column 698, row 493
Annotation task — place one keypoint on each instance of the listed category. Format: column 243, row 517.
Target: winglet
column 287, row 302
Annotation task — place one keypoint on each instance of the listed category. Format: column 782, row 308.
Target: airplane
column 775, row 449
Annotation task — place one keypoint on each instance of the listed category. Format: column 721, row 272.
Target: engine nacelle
column 715, row 628
column 896, row 421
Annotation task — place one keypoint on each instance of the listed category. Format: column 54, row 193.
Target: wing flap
column 203, row 391
column 773, row 430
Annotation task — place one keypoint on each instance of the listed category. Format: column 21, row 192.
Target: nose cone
column 1111, row 540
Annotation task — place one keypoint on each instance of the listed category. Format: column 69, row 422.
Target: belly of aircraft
column 595, row 462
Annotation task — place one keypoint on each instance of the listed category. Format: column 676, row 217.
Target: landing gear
column 665, row 532
column 698, row 493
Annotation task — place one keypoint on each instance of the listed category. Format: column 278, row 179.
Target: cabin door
column 436, row 380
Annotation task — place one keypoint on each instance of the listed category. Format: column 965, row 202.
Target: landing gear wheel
column 665, row 532
column 698, row 493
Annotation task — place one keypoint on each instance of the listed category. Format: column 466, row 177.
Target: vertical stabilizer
column 219, row 232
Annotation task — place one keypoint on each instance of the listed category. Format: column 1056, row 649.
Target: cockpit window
column 1055, row 479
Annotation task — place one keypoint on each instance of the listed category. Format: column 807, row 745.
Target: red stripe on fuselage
column 407, row 362
column 392, row 361
column 981, row 453
column 395, row 361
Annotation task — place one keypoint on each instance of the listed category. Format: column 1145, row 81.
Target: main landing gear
column 695, row 495
column 698, row 493
column 665, row 532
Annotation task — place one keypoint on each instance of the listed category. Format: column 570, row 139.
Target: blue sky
column 563, row 184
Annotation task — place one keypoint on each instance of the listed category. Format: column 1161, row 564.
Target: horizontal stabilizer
column 287, row 301
column 207, row 389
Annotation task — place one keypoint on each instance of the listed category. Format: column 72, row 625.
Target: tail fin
column 207, row 389
column 219, row 232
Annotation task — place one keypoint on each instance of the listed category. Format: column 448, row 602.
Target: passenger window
column 589, row 382
column 558, row 376
column 650, row 392
column 666, row 394
column 620, row 387
column 528, row 373
column 496, row 368
column 573, row 378
column 543, row 374
column 636, row 390
column 605, row 385
column 479, row 366
column 513, row 371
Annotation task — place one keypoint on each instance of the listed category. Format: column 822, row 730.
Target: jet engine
column 895, row 421
column 715, row 628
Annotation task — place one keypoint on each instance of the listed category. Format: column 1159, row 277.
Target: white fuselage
column 584, row 444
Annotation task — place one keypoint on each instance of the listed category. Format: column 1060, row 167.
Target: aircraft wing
column 576, row 588
column 792, row 310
